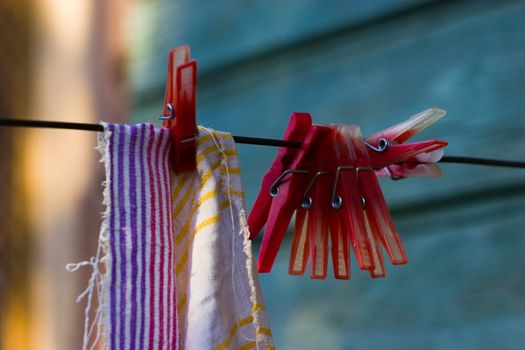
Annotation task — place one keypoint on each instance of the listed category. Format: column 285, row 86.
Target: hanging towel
column 219, row 301
column 174, row 267
column 133, row 281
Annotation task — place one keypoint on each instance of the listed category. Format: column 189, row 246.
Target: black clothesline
column 246, row 140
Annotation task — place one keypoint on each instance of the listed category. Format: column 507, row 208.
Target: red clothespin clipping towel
column 180, row 108
column 332, row 186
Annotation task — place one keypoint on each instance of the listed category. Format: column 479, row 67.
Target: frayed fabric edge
column 243, row 231
column 250, row 267
column 96, row 325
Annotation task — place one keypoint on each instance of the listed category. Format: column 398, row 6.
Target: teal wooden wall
column 373, row 63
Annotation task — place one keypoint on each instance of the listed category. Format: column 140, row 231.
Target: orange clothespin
column 179, row 113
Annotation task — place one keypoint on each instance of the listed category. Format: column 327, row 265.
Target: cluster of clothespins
column 329, row 182
column 331, row 185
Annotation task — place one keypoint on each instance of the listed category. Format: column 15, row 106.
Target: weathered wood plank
column 221, row 31
column 457, row 60
column 462, row 289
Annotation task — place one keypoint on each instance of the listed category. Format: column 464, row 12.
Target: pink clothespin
column 180, row 108
column 297, row 128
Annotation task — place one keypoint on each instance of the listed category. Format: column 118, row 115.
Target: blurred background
column 371, row 63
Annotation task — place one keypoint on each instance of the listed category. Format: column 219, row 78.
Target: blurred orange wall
column 76, row 56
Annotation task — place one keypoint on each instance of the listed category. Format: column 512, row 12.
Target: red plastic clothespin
column 378, row 222
column 296, row 130
column 287, row 191
column 343, row 201
column 180, row 108
column 313, row 214
column 390, row 155
column 348, row 222
column 329, row 197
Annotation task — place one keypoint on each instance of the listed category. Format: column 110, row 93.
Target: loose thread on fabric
column 224, row 164
column 102, row 322
column 93, row 287
column 97, row 280
column 253, row 298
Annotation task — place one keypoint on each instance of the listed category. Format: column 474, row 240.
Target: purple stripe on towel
column 141, row 283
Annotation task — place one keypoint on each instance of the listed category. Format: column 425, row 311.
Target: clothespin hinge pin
column 274, row 189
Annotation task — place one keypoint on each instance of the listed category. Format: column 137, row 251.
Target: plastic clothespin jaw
column 298, row 127
column 287, row 191
column 180, row 108
column 395, row 154
column 410, row 169
column 401, row 132
column 387, row 147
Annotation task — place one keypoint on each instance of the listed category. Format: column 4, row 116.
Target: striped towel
column 219, row 302
column 174, row 267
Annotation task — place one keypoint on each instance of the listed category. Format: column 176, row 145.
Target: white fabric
column 219, row 300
